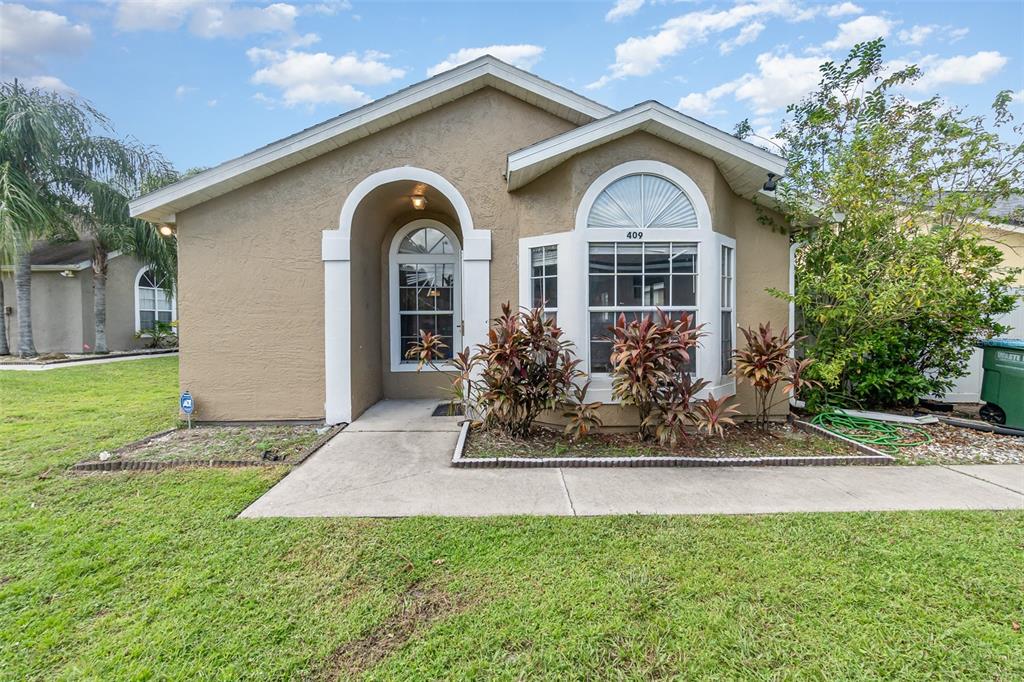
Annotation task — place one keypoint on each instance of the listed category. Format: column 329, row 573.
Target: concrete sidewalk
column 393, row 461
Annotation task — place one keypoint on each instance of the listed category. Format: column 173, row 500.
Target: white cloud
column 703, row 104
column 30, row 33
column 623, row 8
column 916, row 35
column 843, row 9
column 51, row 83
column 779, row 81
column 959, row 70
column 212, row 102
column 957, row 34
column 523, row 56
column 315, row 78
column 183, row 90
column 206, row 18
column 1017, row 97
column 640, row 56
column 747, row 34
column 860, row 30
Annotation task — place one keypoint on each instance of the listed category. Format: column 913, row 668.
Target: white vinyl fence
column 967, row 389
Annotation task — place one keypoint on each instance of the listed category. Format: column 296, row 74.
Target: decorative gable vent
column 642, row 201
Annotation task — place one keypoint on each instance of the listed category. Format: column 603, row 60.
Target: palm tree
column 107, row 226
column 50, row 155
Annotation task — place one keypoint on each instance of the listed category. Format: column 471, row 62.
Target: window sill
column 413, row 367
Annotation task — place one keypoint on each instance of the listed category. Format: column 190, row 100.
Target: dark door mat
column 448, row 410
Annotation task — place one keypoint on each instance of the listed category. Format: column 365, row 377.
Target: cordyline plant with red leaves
column 524, row 368
column 765, row 363
column 650, row 359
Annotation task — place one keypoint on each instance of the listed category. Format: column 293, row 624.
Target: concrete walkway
column 393, row 461
column 33, row 367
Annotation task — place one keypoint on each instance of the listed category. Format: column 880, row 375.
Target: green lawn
column 148, row 575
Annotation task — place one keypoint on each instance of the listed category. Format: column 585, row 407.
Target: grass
column 149, row 575
column 741, row 441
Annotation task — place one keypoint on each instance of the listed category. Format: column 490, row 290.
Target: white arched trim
column 681, row 179
column 336, row 254
column 135, row 288
column 394, row 259
column 574, row 309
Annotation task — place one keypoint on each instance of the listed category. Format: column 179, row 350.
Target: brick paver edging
column 144, row 465
column 461, row 462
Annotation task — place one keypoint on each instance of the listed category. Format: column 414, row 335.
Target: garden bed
column 65, row 358
column 743, row 445
column 961, row 445
column 218, row 446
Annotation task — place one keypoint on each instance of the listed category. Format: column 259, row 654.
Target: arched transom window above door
column 425, row 289
column 642, row 201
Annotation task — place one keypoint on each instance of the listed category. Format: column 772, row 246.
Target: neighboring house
column 62, row 300
column 1008, row 237
column 307, row 266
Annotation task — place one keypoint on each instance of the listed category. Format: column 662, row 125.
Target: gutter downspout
column 792, row 307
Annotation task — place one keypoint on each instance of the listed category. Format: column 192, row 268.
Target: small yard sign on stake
column 187, row 405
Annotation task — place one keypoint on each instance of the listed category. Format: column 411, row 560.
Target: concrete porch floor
column 394, row 461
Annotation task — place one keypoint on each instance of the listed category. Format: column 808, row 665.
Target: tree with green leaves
column 894, row 281
column 60, row 172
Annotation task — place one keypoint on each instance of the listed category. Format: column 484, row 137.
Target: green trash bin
column 1002, row 387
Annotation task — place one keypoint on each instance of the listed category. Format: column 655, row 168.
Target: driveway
column 394, row 461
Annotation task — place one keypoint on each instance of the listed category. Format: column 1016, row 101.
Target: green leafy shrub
column 894, row 281
column 161, row 335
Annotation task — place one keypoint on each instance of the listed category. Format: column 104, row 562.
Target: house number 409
column 634, row 235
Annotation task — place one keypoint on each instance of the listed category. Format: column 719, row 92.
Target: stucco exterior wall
column 251, row 296
column 57, row 302
column 1012, row 245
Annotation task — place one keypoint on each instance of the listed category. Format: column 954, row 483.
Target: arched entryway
column 366, row 299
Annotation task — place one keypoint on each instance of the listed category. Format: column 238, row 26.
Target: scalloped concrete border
column 872, row 457
column 143, row 465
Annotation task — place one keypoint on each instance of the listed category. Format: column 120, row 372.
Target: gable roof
column 161, row 205
column 745, row 166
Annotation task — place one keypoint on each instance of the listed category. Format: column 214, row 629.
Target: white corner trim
column 394, row 259
column 161, row 205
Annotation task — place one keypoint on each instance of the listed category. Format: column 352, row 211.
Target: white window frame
column 398, row 364
column 574, row 309
column 730, row 305
column 561, row 243
column 138, row 316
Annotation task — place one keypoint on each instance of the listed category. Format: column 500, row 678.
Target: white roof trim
column 161, row 205
column 744, row 165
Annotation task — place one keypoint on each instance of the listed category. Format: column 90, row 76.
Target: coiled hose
column 887, row 436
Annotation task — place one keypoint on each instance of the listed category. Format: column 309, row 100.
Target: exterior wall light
column 419, row 202
column 166, row 230
column 772, row 183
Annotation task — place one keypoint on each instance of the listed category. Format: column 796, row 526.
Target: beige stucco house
column 63, row 319
column 306, row 266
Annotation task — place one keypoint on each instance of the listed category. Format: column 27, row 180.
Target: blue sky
column 205, row 81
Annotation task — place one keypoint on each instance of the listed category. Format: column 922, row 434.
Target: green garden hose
column 888, row 436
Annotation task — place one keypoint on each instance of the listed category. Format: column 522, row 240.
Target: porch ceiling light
column 772, row 183
column 419, row 202
column 166, row 230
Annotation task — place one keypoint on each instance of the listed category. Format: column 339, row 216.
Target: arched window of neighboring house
column 425, row 290
column 152, row 303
